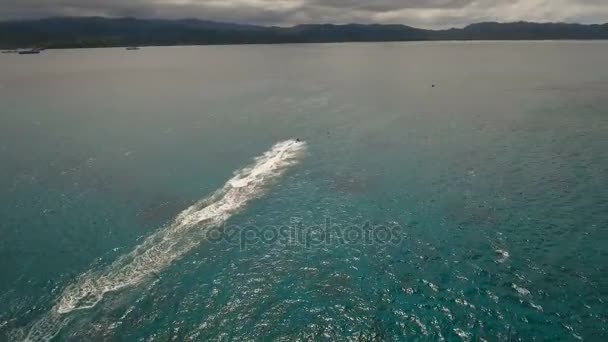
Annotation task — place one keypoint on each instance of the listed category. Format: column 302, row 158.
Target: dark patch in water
column 351, row 184
column 336, row 285
column 378, row 142
column 161, row 210
column 473, row 215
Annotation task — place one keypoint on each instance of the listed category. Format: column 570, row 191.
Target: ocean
column 359, row 191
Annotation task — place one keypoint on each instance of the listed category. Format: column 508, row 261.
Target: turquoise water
column 472, row 209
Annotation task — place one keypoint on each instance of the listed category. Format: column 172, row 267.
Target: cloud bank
column 419, row 13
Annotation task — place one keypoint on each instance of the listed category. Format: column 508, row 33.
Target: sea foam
column 171, row 243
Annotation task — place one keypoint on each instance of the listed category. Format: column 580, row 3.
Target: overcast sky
column 420, row 13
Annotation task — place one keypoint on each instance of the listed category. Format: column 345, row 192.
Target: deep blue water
column 473, row 209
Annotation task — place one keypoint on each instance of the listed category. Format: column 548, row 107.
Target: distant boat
column 9, row 51
column 132, row 48
column 29, row 52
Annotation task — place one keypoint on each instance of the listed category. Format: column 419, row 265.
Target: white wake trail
column 168, row 245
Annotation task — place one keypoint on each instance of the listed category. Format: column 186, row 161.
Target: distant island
column 86, row 32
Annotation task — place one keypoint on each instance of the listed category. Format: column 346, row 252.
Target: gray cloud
column 421, row 13
column 392, row 5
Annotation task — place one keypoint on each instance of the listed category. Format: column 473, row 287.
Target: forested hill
column 105, row 32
